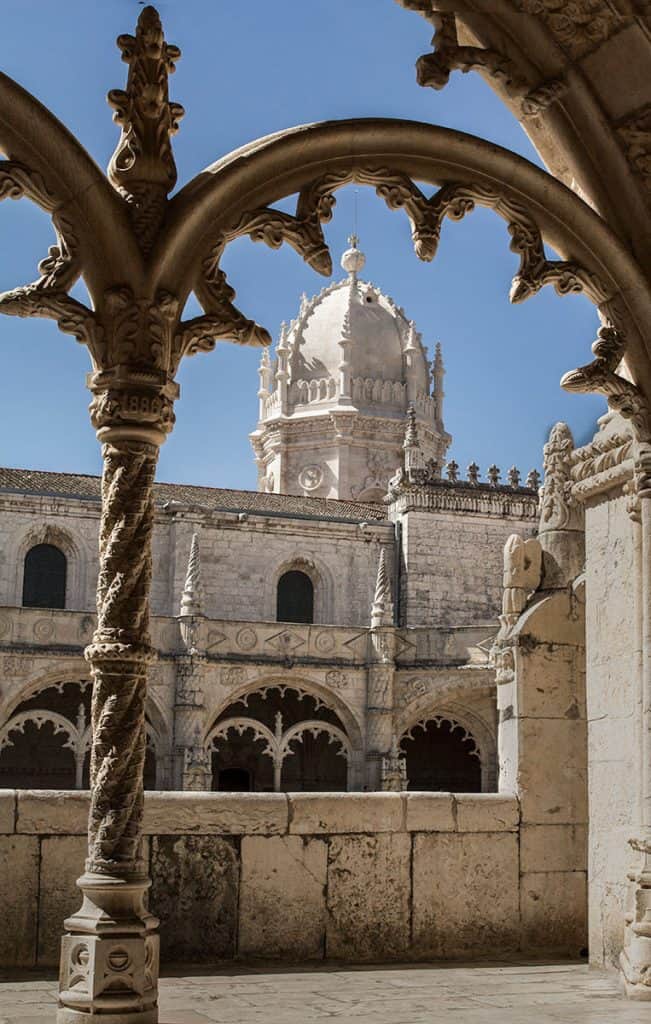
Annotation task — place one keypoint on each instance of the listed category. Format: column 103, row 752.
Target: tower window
column 44, row 577
column 295, row 597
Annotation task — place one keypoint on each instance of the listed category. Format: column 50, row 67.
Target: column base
column 109, row 956
column 632, row 980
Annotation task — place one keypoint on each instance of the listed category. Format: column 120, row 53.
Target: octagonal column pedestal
column 109, row 961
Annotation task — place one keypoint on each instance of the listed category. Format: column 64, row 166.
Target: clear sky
column 249, row 69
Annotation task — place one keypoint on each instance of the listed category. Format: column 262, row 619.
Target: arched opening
column 279, row 739
column 441, row 756
column 37, row 756
column 44, row 577
column 295, row 597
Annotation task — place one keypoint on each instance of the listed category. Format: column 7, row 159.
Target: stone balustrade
column 303, row 876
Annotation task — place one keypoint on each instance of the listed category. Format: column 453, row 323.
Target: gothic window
column 442, row 756
column 44, row 577
column 279, row 739
column 295, row 597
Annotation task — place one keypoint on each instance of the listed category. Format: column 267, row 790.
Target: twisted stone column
column 109, row 959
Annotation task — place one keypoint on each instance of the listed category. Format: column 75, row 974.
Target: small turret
column 438, row 394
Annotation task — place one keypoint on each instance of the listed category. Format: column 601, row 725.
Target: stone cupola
column 333, row 398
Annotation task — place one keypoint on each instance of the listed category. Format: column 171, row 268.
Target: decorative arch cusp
column 316, row 160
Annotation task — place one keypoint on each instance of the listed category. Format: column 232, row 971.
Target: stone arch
column 530, row 61
column 475, row 726
column 311, row 688
column 392, row 155
column 322, row 583
column 73, row 547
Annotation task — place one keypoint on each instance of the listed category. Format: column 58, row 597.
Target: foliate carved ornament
column 578, row 26
column 600, row 376
column 559, row 509
column 142, row 167
column 635, row 133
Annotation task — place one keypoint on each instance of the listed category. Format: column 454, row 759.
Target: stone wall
column 452, row 567
column 613, row 696
column 362, row 877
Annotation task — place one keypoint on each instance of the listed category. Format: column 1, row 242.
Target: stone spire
column 561, row 517
column 282, row 367
column 438, row 373
column 382, row 610
column 265, row 375
column 411, row 353
column 191, row 597
column 412, row 454
column 346, row 340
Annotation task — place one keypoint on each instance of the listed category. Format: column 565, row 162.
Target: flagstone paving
column 414, row 994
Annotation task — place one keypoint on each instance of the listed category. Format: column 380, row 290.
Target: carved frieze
column 579, row 26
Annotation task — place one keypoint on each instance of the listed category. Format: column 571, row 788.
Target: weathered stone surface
column 553, row 774
column 18, row 900
column 221, row 813
column 194, row 892
column 368, row 897
column 465, row 895
column 430, row 812
column 316, row 813
column 7, row 810
column 62, row 862
column 553, row 905
column 553, row 848
column 52, row 812
column 282, row 897
column 486, row 812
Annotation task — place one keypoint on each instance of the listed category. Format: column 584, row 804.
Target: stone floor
column 423, row 994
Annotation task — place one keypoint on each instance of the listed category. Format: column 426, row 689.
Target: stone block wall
column 453, row 567
column 361, row 877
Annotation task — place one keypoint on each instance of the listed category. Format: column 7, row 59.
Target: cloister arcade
column 582, row 228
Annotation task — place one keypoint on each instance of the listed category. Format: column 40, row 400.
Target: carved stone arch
column 304, row 685
column 73, row 547
column 322, row 582
column 530, row 60
column 392, row 155
column 474, row 725
column 49, row 680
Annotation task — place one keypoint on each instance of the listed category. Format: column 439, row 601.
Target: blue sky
column 247, row 70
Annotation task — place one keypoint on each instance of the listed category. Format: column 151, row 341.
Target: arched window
column 44, row 577
column 295, row 597
column 441, row 755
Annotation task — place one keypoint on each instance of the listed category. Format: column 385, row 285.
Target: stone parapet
column 469, row 499
column 305, row 876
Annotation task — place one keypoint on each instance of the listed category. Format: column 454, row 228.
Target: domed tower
column 333, row 399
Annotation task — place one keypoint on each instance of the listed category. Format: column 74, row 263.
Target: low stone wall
column 360, row 877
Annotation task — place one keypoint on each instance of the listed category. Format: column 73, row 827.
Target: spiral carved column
column 109, row 957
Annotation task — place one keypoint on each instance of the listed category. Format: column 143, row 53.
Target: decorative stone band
column 131, row 404
column 477, row 499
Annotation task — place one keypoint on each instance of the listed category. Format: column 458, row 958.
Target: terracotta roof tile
column 80, row 485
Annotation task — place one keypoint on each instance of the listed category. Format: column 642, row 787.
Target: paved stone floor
column 422, row 994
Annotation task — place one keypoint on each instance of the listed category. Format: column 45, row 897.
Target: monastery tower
column 334, row 397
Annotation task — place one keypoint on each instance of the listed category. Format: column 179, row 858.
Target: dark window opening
column 234, row 780
column 295, row 597
column 44, row 578
column 441, row 756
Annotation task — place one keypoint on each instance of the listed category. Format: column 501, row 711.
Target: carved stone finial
column 493, row 475
column 353, row 259
column 142, row 167
column 452, row 471
column 514, row 476
column 191, row 597
column 533, row 480
column 394, row 769
column 473, row 473
column 558, row 508
column 382, row 611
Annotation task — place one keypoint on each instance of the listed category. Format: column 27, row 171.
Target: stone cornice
column 469, row 499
